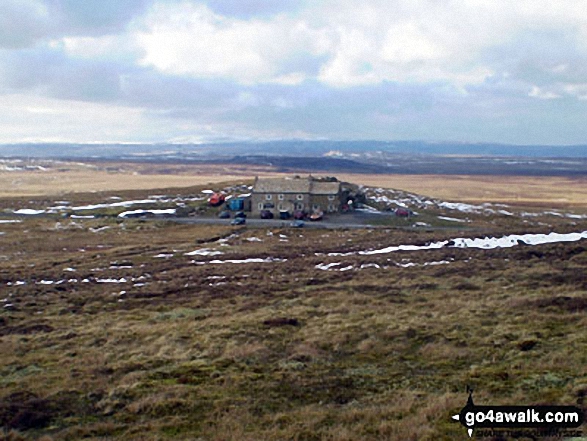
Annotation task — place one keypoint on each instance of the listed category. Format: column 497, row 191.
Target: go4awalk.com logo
column 545, row 418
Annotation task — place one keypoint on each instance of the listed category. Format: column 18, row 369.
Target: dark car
column 240, row 214
column 299, row 215
column 284, row 215
column 238, row 221
column 266, row 214
column 224, row 214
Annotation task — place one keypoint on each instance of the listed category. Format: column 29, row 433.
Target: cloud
column 253, row 8
column 343, row 69
column 101, row 17
column 191, row 39
column 24, row 23
column 51, row 73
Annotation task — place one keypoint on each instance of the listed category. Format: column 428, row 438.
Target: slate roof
column 295, row 185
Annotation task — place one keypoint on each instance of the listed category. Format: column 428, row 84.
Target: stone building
column 307, row 194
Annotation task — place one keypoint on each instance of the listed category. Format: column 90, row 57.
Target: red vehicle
column 403, row 212
column 299, row 215
column 216, row 199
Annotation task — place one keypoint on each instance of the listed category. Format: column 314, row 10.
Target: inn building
column 308, row 194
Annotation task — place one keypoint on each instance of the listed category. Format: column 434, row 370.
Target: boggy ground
column 108, row 330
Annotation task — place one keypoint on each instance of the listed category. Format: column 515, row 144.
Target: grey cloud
column 541, row 57
column 50, row 73
column 92, row 17
column 251, row 8
column 23, row 23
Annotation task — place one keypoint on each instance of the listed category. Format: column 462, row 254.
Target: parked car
column 240, row 214
column 297, row 224
column 299, row 215
column 403, row 212
column 317, row 216
column 266, row 214
column 284, row 215
column 224, row 214
column 216, row 199
column 238, row 221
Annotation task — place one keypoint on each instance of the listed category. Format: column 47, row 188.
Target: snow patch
column 204, row 252
column 29, row 211
column 140, row 212
column 251, row 260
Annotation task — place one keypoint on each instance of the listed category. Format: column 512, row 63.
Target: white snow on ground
column 467, row 208
column 204, row 252
column 514, row 239
column 75, row 216
column 136, row 212
column 326, row 266
column 2, row 221
column 99, row 280
column 97, row 230
column 111, row 205
column 121, row 280
column 224, row 240
column 163, row 256
column 208, row 191
column 387, row 200
column 333, row 266
column 411, row 264
column 254, row 239
column 29, row 211
column 369, row 265
column 483, row 243
column 251, row 260
column 50, row 282
column 452, row 219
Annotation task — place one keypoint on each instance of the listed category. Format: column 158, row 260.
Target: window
column 260, row 206
column 268, row 197
column 331, row 208
column 299, row 206
column 300, row 197
column 316, row 207
column 280, row 197
column 331, row 197
column 280, row 206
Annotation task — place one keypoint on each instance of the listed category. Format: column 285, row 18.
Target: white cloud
column 112, row 47
column 191, row 39
column 357, row 43
column 29, row 118
column 539, row 93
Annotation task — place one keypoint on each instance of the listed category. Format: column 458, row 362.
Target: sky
column 187, row 71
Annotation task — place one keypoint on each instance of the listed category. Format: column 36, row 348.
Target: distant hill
column 287, row 147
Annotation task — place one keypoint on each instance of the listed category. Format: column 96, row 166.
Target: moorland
column 147, row 329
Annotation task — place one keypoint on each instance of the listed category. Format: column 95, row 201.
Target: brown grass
column 283, row 350
column 73, row 177
column 516, row 190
